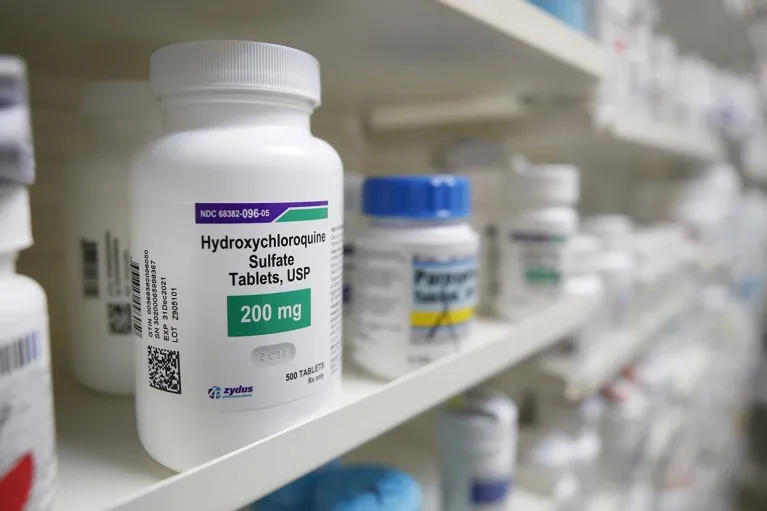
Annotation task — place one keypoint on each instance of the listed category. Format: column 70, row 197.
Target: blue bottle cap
column 439, row 197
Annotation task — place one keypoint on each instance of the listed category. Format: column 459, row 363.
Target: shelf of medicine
column 585, row 377
column 103, row 467
column 397, row 51
column 412, row 447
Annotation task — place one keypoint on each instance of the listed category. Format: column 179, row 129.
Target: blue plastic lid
column 298, row 495
column 367, row 488
column 439, row 197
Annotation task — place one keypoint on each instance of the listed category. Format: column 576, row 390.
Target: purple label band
column 259, row 212
column 537, row 237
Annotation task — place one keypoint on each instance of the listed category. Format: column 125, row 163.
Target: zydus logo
column 216, row 392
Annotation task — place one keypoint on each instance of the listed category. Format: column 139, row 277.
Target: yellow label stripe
column 431, row 318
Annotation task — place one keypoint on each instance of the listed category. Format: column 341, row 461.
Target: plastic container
column 353, row 225
column 27, row 433
column 624, row 432
column 615, row 265
column 237, row 252
column 297, row 495
column 584, row 281
column 477, row 435
column 587, row 447
column 415, row 281
column 535, row 238
column 122, row 117
column 569, row 11
column 17, row 159
column 485, row 163
column 367, row 488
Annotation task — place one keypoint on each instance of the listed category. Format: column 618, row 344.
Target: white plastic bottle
column 547, row 458
column 237, row 252
column 121, row 117
column 583, row 281
column 535, row 238
column 477, row 435
column 353, row 225
column 415, row 278
column 27, row 433
column 625, row 428
column 616, row 264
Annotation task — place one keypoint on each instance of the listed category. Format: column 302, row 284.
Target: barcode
column 164, row 369
column 19, row 353
column 90, row 255
column 135, row 281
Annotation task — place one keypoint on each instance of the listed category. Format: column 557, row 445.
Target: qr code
column 164, row 369
column 120, row 318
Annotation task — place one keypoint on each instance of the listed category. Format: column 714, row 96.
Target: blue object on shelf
column 368, row 488
column 569, row 11
column 298, row 495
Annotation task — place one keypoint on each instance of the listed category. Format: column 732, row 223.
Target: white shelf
column 103, row 467
column 656, row 136
column 371, row 51
column 585, row 378
column 609, row 141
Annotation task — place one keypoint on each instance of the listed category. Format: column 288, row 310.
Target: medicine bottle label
column 27, row 441
column 238, row 305
column 533, row 265
column 100, row 266
column 426, row 299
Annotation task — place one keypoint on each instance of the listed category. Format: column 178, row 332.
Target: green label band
column 268, row 313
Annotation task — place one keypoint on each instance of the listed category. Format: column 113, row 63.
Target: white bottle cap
column 15, row 221
column 123, row 98
column 13, row 82
column 557, row 184
column 235, row 66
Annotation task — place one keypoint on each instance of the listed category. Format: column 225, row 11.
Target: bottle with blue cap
column 415, row 278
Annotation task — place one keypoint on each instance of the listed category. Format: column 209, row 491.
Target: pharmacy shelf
column 585, row 377
column 396, row 51
column 103, row 467
column 614, row 139
column 662, row 137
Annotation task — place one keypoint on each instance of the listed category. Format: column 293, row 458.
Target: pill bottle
column 121, row 118
column 17, row 159
column 583, row 281
column 547, row 458
column 237, row 252
column 485, row 163
column 616, row 264
column 415, row 276
column 535, row 237
column 27, row 434
column 477, row 437
column 353, row 224
column 624, row 430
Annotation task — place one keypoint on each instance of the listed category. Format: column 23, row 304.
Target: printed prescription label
column 99, row 271
column 417, row 304
column 238, row 305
